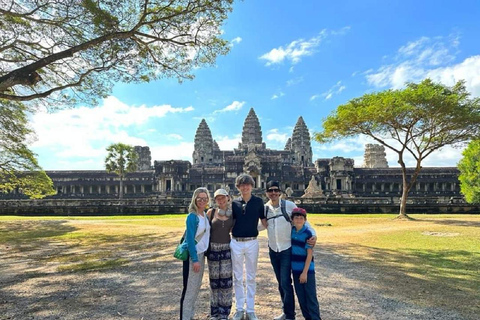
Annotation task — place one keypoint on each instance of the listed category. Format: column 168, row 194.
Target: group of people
column 226, row 236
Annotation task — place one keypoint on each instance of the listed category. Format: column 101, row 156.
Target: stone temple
column 299, row 174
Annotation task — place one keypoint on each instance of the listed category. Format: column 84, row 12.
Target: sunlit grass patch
column 93, row 265
column 435, row 257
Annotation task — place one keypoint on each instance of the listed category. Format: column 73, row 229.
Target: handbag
column 181, row 251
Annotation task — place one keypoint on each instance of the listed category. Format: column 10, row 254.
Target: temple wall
column 85, row 207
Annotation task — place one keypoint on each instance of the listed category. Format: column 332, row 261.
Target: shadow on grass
column 146, row 283
column 460, row 223
column 27, row 231
column 445, row 279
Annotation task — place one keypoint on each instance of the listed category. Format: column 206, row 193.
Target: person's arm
column 313, row 239
column 308, row 260
column 190, row 236
column 262, row 225
column 209, row 215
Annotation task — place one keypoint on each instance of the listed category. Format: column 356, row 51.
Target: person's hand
column 196, row 266
column 312, row 241
column 303, row 277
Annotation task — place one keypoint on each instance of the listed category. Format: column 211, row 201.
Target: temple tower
column 301, row 145
column 144, row 158
column 203, row 144
column 252, row 133
column 288, row 145
column 375, row 156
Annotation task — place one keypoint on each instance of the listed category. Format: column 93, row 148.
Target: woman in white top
column 197, row 236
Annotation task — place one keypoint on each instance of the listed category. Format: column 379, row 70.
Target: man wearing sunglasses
column 247, row 211
column 278, row 213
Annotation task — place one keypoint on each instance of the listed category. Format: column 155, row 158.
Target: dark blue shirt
column 246, row 215
column 299, row 250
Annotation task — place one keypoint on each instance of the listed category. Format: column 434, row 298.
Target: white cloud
column 334, row 90
column 428, row 58
column 174, row 136
column 294, row 81
column 236, row 40
column 227, row 143
column 234, row 106
column 82, row 134
column 182, row 151
column 274, row 135
column 297, row 49
column 468, row 70
column 355, row 147
column 276, row 96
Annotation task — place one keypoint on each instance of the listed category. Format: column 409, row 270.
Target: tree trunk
column 120, row 191
column 403, row 204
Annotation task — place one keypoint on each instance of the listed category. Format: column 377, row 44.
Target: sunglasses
column 273, row 190
column 202, row 199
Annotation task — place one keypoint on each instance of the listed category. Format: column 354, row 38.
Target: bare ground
column 145, row 281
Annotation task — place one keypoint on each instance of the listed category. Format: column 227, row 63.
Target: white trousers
column 244, row 254
column 192, row 282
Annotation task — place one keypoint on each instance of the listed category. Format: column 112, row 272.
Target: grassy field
column 434, row 259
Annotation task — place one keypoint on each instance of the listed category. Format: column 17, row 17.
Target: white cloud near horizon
column 227, row 143
column 297, row 49
column 82, row 134
column 275, row 136
column 174, row 136
column 182, row 151
column 448, row 156
column 428, row 58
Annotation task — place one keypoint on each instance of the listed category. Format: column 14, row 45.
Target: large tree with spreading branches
column 415, row 121
column 66, row 52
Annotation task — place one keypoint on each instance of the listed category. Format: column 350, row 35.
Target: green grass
column 93, row 265
column 434, row 254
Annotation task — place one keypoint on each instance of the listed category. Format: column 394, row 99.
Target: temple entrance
column 256, row 177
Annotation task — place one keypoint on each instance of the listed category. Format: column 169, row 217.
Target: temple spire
column 301, row 145
column 252, row 132
column 203, row 144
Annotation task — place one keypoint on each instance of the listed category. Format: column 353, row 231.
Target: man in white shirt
column 279, row 229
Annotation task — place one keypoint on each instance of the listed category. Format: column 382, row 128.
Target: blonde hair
column 193, row 204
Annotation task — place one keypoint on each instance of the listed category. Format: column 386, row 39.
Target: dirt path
column 149, row 286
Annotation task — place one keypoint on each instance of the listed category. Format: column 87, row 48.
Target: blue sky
column 287, row 59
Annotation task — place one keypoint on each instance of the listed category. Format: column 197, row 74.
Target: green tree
column 64, row 52
column 417, row 120
column 19, row 168
column 121, row 159
column 61, row 53
column 469, row 168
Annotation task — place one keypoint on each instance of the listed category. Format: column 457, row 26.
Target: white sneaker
column 281, row 317
column 239, row 315
column 251, row 316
